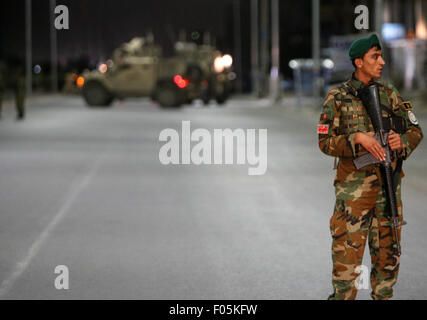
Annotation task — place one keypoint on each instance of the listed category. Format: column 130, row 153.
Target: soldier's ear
column 358, row 62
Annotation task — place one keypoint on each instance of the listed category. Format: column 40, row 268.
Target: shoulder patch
column 412, row 117
column 407, row 105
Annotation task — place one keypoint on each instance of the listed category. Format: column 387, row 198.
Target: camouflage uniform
column 360, row 210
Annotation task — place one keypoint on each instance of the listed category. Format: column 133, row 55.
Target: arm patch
column 322, row 128
column 407, row 105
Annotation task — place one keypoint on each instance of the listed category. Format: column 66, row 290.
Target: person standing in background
column 1, row 93
column 20, row 96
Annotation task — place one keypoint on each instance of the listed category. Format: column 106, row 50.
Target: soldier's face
column 372, row 63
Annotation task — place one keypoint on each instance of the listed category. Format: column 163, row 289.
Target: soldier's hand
column 370, row 144
column 394, row 141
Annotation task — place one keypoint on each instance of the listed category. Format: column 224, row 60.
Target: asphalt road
column 85, row 188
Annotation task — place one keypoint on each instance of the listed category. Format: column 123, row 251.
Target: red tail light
column 180, row 82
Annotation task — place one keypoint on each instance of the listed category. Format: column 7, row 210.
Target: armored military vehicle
column 138, row 70
column 210, row 68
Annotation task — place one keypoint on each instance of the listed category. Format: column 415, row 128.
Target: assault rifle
column 371, row 100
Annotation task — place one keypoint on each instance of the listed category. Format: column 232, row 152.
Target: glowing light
column 180, row 82
column 195, row 35
column 227, row 61
column 103, row 68
column 274, row 72
column 231, row 76
column 37, row 69
column 177, row 78
column 421, row 29
column 80, row 82
column 293, row 64
column 218, row 64
column 328, row 64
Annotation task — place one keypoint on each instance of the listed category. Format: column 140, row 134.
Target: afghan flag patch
column 407, row 105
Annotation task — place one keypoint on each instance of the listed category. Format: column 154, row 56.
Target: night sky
column 99, row 26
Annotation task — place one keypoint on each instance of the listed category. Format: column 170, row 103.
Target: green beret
column 360, row 46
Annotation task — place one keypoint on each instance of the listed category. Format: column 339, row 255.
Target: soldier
column 20, row 96
column 345, row 131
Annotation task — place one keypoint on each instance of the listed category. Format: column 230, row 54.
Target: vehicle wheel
column 206, row 100
column 221, row 99
column 96, row 94
column 168, row 95
column 222, row 94
column 205, row 96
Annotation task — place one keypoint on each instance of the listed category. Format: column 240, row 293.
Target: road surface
column 84, row 188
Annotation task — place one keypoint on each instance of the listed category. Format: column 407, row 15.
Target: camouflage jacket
column 344, row 115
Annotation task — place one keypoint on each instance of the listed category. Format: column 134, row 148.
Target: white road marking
column 75, row 189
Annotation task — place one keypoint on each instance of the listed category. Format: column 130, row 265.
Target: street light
column 53, row 48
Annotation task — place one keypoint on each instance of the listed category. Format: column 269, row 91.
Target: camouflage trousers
column 361, row 213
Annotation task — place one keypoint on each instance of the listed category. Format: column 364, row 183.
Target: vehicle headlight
column 103, row 68
column 227, row 61
column 218, row 64
column 328, row 64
